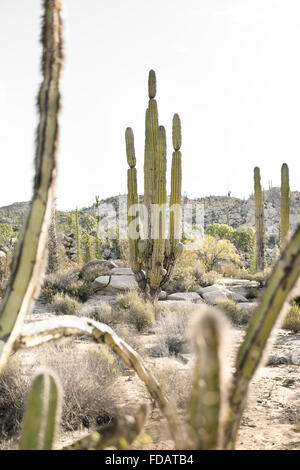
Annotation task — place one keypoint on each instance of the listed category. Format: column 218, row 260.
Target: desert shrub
column 183, row 278
column 13, row 391
column 234, row 312
column 66, row 283
column 176, row 384
column 215, row 253
column 204, row 278
column 6, row 232
column 64, row 304
column 102, row 312
column 231, row 309
column 139, row 312
column 243, row 239
column 131, row 338
column 292, row 318
column 87, row 380
column 171, row 331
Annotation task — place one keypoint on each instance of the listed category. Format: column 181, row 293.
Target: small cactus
column 285, row 202
column 259, row 222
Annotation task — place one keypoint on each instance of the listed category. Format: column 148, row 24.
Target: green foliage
column 243, row 239
column 6, row 232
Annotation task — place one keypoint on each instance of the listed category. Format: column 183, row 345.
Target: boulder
column 162, row 295
column 189, row 296
column 122, row 271
column 213, row 288
column 115, row 284
column 244, row 287
column 97, row 262
column 235, row 296
column 213, row 297
column 178, row 305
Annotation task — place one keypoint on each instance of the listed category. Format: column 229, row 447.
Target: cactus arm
column 159, row 213
column 285, row 203
column 205, row 399
column 42, row 414
column 285, row 274
column 132, row 203
column 176, row 176
column 117, row 435
column 28, row 262
column 34, row 334
column 259, row 221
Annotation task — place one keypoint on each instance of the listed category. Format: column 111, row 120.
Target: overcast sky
column 230, row 68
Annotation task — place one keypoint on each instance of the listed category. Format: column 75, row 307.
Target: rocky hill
column 212, row 209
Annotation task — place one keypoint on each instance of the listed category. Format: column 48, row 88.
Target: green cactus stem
column 259, row 222
column 29, row 258
column 153, row 257
column 42, row 413
column 285, row 202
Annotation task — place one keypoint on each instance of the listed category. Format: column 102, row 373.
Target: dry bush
column 139, row 312
column 292, row 318
column 183, row 278
column 171, row 331
column 66, row 305
column 102, row 312
column 13, row 391
column 66, row 283
column 88, row 380
column 176, row 384
column 234, row 312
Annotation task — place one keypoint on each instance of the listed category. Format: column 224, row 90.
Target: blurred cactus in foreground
column 259, row 221
column 152, row 255
column 29, row 260
column 42, row 413
column 285, row 202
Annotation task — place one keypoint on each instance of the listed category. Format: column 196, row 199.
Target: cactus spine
column 28, row 262
column 285, row 202
column 259, row 221
column 42, row 413
column 152, row 258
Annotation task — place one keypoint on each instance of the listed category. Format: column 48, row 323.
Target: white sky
column 230, row 68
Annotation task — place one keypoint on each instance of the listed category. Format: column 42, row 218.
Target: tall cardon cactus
column 152, row 255
column 285, row 202
column 259, row 222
